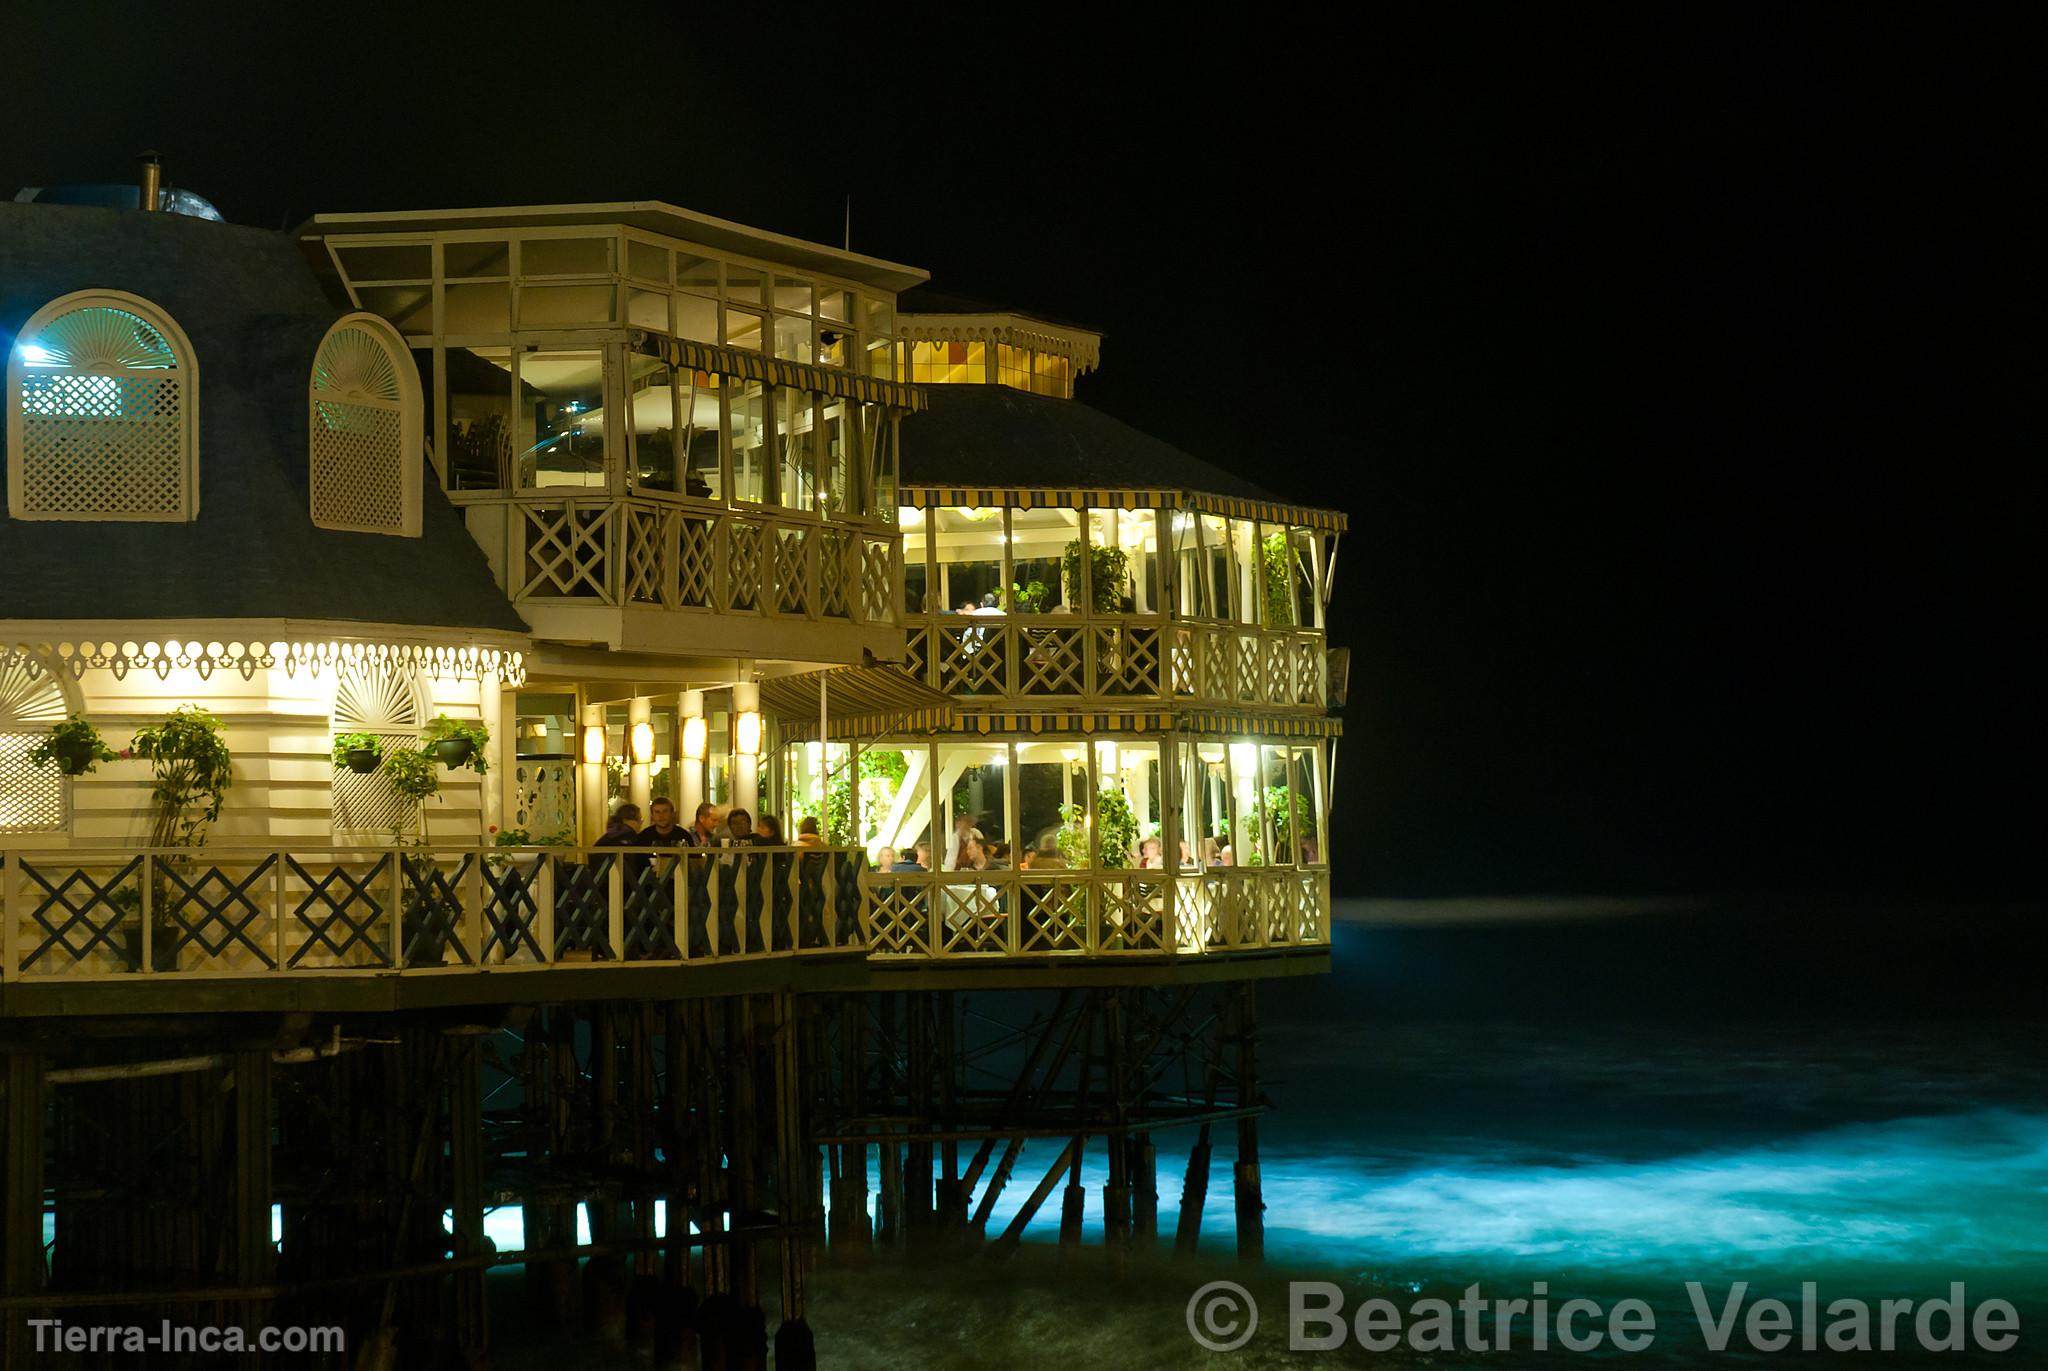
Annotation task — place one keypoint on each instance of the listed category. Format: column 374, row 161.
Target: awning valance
column 744, row 364
column 1151, row 721
column 1029, row 497
column 860, row 702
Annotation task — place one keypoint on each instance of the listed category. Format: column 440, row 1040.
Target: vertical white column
column 639, row 710
column 497, row 753
column 746, row 767
column 690, row 770
column 590, row 808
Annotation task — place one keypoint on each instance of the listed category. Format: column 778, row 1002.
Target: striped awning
column 1039, row 497
column 1151, row 721
column 743, row 364
column 860, row 702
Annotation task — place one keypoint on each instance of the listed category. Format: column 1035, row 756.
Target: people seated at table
column 919, row 860
column 768, row 831
column 1150, row 854
column 807, row 834
column 662, row 829
column 623, row 829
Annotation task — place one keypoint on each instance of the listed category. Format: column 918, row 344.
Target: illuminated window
column 949, row 363
column 102, row 413
column 1013, row 366
column 363, row 419
column 1052, row 375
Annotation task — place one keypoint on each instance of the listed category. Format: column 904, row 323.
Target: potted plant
column 193, row 770
column 1029, row 597
column 361, row 753
column 457, row 743
column 74, row 745
column 1109, row 574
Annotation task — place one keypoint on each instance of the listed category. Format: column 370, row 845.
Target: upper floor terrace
column 642, row 410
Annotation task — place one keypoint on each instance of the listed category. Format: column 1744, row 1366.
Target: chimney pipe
column 152, row 182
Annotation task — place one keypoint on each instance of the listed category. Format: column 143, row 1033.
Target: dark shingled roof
column 999, row 437
column 255, row 314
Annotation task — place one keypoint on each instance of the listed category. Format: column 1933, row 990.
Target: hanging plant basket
column 362, row 760
column 74, row 756
column 454, row 752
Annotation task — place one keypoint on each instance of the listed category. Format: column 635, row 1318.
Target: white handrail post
column 148, row 907
column 10, row 915
column 679, row 911
column 277, row 898
column 544, row 908
column 615, row 908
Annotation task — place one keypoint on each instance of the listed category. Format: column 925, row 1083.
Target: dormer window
column 102, row 413
column 363, row 418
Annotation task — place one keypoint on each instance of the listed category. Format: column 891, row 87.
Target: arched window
column 33, row 696
column 102, row 413
column 379, row 699
column 363, row 417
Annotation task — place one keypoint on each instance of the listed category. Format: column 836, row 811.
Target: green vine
column 193, row 769
column 413, row 774
column 1276, row 609
column 1109, row 570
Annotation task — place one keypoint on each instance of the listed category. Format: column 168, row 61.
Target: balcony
column 1029, row 660
column 996, row 915
column 615, row 569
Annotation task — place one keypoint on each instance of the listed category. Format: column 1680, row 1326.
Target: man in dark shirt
column 918, row 862
column 661, row 830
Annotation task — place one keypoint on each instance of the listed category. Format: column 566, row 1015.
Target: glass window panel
column 1214, row 531
column 1274, row 581
column 647, row 261
column 1013, row 366
column 697, row 399
column 834, row 303
column 651, row 393
column 793, row 339
column 388, row 262
column 1127, row 804
column 838, row 454
column 747, row 430
column 647, row 309
column 1282, row 806
column 793, row 294
column 1044, row 555
column 562, row 400
column 717, row 752
column 565, row 256
column 696, row 317
column 877, row 494
column 835, row 345
column 1125, row 564
column 974, row 798
column 409, row 308
column 896, row 799
column 878, row 315
column 476, row 307
column 743, row 329
column 1205, row 803
column 743, row 283
column 1051, row 375
column 881, row 358
column 1191, row 587
column 916, row 538
column 698, row 275
column 796, row 428
column 566, row 306
column 484, row 258
column 1052, row 795
column 1243, row 571
column 480, row 428
column 970, row 558
column 1303, row 552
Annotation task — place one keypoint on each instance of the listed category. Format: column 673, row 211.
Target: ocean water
column 1606, row 1107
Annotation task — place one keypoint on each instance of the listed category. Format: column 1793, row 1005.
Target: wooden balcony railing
column 300, row 911
column 1055, row 659
column 639, row 551
column 1063, row 913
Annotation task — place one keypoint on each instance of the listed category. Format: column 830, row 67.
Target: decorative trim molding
column 247, row 653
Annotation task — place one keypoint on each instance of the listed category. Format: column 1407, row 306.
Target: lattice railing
column 293, row 911
column 1066, row 913
column 641, row 551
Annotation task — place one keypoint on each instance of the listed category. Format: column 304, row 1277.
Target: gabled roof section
column 995, row 438
column 255, row 316
column 654, row 216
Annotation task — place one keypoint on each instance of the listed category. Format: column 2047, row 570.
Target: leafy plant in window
column 1276, row 605
column 1289, row 813
column 1109, row 570
column 1073, row 835
column 457, row 743
column 1029, row 597
column 193, row 769
column 74, row 745
column 1116, row 829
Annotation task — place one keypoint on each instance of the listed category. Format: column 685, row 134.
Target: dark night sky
column 1679, row 369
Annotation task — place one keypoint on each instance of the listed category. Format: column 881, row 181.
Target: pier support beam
column 1251, row 1204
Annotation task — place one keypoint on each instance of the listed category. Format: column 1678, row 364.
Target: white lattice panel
column 378, row 700
column 696, row 561
column 95, row 445
column 32, row 798
column 358, row 473
column 544, row 798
